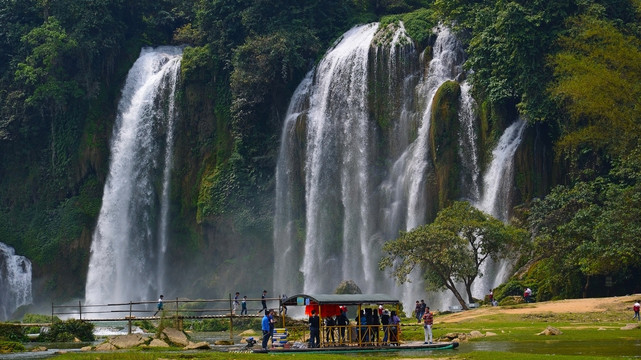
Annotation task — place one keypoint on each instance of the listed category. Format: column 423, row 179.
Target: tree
column 605, row 113
column 453, row 248
column 591, row 227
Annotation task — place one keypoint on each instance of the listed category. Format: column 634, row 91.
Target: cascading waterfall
column 130, row 240
column 496, row 199
column 15, row 281
column 468, row 150
column 352, row 203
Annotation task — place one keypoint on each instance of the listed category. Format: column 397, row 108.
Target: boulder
column 158, row 343
column 175, row 336
column 348, row 287
column 630, row 327
column 127, row 341
column 475, row 334
column 106, row 346
column 550, row 330
column 38, row 349
column 86, row 348
column 489, row 333
column 203, row 345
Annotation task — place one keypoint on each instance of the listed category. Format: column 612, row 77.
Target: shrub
column 11, row 332
column 62, row 331
column 10, row 347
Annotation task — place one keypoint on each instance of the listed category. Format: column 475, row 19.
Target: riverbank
column 590, row 329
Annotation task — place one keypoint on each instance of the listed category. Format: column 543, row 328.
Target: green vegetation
column 570, row 67
column 452, row 248
column 69, row 330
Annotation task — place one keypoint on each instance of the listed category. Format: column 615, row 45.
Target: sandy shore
column 619, row 303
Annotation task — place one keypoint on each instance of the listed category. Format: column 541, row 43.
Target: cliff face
column 222, row 197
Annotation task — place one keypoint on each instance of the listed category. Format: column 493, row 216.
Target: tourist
column 243, row 306
column 395, row 324
column 264, row 325
column 385, row 322
column 159, row 306
column 417, row 311
column 330, row 322
column 636, row 308
column 342, row 321
column 428, row 320
column 423, row 307
column 283, row 308
column 272, row 324
column 235, row 303
column 527, row 294
column 491, row 297
column 263, row 301
column 375, row 326
column 314, row 330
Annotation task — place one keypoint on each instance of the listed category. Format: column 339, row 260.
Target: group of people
column 422, row 313
column 367, row 330
column 267, row 326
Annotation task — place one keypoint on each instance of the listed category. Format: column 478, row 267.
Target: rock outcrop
column 174, row 336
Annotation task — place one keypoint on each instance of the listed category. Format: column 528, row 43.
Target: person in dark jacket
column 314, row 330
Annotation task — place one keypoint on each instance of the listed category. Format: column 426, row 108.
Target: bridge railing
column 177, row 309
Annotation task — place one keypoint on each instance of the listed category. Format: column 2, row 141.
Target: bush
column 62, row 331
column 38, row 319
column 11, row 332
column 10, row 347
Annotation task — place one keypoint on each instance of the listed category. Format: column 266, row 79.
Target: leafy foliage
column 452, row 248
column 11, row 332
column 63, row 331
column 604, row 114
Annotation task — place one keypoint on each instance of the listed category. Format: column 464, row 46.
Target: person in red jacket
column 428, row 320
column 636, row 307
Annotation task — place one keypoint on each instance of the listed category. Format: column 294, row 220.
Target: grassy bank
column 590, row 330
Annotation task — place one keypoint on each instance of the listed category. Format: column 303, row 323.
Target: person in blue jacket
column 265, row 327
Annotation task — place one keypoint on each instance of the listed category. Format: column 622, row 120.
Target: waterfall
column 468, row 149
column 496, row 200
column 356, row 195
column 130, row 240
column 15, row 281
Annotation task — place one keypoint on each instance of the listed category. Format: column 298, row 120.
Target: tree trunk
column 587, row 285
column 458, row 296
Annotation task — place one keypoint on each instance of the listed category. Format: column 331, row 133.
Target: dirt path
column 560, row 306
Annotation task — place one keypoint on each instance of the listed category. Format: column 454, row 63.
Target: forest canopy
column 569, row 67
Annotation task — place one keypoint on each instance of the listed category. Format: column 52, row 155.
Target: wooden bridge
column 176, row 310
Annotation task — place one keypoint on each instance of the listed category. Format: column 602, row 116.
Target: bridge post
column 129, row 320
column 80, row 309
column 52, row 310
column 231, row 319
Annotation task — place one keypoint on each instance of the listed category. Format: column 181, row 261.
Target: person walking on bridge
column 159, row 306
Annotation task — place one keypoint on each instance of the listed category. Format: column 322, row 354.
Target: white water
column 354, row 201
column 130, row 240
column 497, row 192
column 468, row 149
column 15, row 281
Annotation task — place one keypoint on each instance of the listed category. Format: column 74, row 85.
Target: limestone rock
column 348, row 287
column 127, row 341
column 158, row 343
column 38, row 349
column 106, row 346
column 550, row 330
column 86, row 348
column 630, row 327
column 203, row 345
column 175, row 336
column 249, row 332
column 475, row 334
column 489, row 333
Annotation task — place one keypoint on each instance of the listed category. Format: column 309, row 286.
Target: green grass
column 583, row 334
